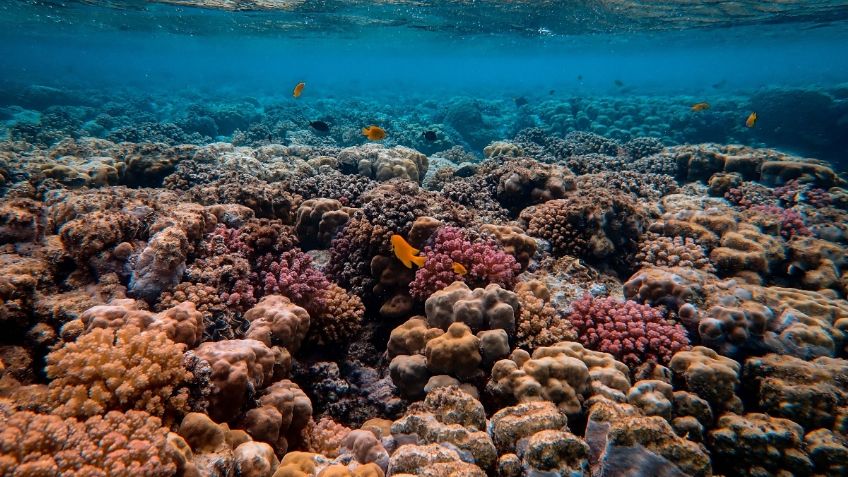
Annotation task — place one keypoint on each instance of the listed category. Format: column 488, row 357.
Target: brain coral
column 118, row 370
column 811, row 393
column 239, row 367
column 381, row 163
column 481, row 309
column 275, row 320
column 631, row 332
column 566, row 374
column 539, row 323
column 449, row 415
column 114, row 444
column 522, row 182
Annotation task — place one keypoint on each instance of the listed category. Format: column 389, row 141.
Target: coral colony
column 577, row 300
column 528, row 285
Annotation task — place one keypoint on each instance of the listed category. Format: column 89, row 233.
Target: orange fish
column 406, row 253
column 700, row 106
column 374, row 133
column 459, row 269
column 752, row 120
column 298, row 89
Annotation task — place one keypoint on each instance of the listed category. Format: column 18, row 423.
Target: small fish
column 459, row 269
column 551, row 92
column 520, row 101
column 429, row 135
column 374, row 133
column 270, row 138
column 298, row 89
column 720, row 84
column 752, row 120
column 406, row 253
column 320, row 126
column 618, row 83
column 700, row 106
column 579, row 77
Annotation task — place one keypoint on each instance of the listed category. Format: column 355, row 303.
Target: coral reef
column 604, row 293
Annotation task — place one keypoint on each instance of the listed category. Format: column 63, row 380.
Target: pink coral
column 749, row 194
column 818, row 198
column 483, row 259
column 793, row 192
column 789, row 193
column 631, row 332
column 791, row 222
column 293, row 276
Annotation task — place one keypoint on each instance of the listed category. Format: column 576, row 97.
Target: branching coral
column 118, row 370
column 115, row 444
column 629, row 331
column 336, row 313
column 539, row 323
column 483, row 260
column 593, row 224
column 661, row 251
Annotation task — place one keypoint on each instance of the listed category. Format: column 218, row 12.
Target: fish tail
column 418, row 261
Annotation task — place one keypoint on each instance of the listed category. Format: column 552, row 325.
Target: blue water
column 391, row 53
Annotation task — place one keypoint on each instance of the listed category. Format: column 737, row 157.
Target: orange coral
column 118, row 370
column 117, row 444
column 539, row 323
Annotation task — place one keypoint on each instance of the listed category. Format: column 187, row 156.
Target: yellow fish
column 298, row 89
column 459, row 269
column 406, row 253
column 752, row 120
column 374, row 133
column 700, row 106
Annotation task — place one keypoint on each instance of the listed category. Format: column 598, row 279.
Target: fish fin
column 418, row 261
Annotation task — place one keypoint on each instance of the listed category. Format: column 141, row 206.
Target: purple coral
column 483, row 259
column 794, row 192
column 818, row 198
column 791, row 222
column 632, row 332
column 750, row 194
column 293, row 276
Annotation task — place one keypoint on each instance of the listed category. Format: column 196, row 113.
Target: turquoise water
column 390, row 53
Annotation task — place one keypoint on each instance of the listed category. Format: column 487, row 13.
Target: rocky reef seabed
column 212, row 290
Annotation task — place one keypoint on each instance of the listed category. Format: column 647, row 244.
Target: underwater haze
column 469, row 238
column 786, row 58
